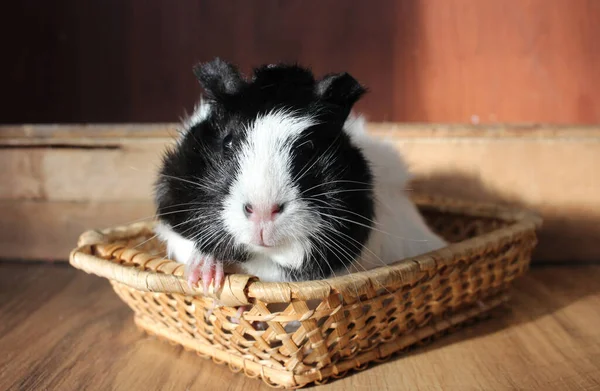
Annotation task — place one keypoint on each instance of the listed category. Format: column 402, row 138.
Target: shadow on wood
column 562, row 226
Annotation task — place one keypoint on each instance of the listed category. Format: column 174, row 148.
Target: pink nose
column 262, row 213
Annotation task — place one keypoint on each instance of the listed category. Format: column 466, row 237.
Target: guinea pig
column 273, row 176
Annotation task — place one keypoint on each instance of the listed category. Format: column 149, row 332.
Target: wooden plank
column 84, row 335
column 32, row 230
column 71, row 133
column 80, row 174
column 54, row 171
column 47, row 134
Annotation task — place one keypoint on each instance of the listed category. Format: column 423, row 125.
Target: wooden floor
column 61, row 329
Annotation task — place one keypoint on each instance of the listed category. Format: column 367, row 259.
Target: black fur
column 220, row 79
column 338, row 182
column 331, row 184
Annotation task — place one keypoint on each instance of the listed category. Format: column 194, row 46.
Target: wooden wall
column 427, row 61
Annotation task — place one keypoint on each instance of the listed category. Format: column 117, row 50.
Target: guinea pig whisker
column 327, row 206
column 185, row 204
column 360, row 247
column 196, row 184
column 176, row 211
column 342, row 248
column 366, row 219
column 201, row 235
column 327, row 240
column 222, row 241
column 354, row 264
column 324, row 258
column 216, row 239
column 336, row 181
column 318, row 249
column 304, row 170
column 198, row 226
column 375, row 229
column 345, row 252
column 330, row 242
column 155, row 215
column 340, row 191
column 323, row 231
column 304, row 143
column 353, row 260
column 323, row 274
column 155, row 235
column 206, row 236
column 202, row 186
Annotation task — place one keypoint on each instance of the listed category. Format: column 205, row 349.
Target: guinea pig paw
column 208, row 270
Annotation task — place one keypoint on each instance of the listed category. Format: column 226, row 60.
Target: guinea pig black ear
column 219, row 78
column 341, row 90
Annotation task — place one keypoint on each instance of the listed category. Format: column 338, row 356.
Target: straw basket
column 345, row 322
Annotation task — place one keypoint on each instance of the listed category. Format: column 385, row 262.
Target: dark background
column 426, row 61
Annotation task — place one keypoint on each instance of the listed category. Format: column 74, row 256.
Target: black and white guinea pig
column 274, row 177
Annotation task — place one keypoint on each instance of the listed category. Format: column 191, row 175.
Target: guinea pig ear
column 219, row 79
column 341, row 90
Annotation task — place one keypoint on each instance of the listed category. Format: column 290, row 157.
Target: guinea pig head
column 272, row 165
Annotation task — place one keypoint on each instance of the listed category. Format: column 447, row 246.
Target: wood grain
column 64, row 330
column 34, row 230
column 428, row 61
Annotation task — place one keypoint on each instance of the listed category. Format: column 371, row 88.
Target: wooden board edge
column 40, row 134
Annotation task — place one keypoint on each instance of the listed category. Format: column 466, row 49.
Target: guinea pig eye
column 227, row 141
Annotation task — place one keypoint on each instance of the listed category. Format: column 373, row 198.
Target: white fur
column 264, row 178
column 178, row 248
column 400, row 231
column 200, row 113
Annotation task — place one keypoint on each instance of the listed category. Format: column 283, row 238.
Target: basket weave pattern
column 345, row 322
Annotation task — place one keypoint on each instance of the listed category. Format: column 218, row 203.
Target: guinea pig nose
column 277, row 208
column 262, row 213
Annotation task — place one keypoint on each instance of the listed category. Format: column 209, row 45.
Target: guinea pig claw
column 209, row 271
column 212, row 272
column 193, row 277
column 219, row 277
column 207, row 277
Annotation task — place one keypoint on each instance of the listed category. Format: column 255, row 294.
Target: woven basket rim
column 242, row 289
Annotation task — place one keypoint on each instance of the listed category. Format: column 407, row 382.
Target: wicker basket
column 345, row 322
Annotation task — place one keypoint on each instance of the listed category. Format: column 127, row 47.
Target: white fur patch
column 263, row 268
column 178, row 248
column 264, row 178
column 386, row 163
column 200, row 113
column 400, row 231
